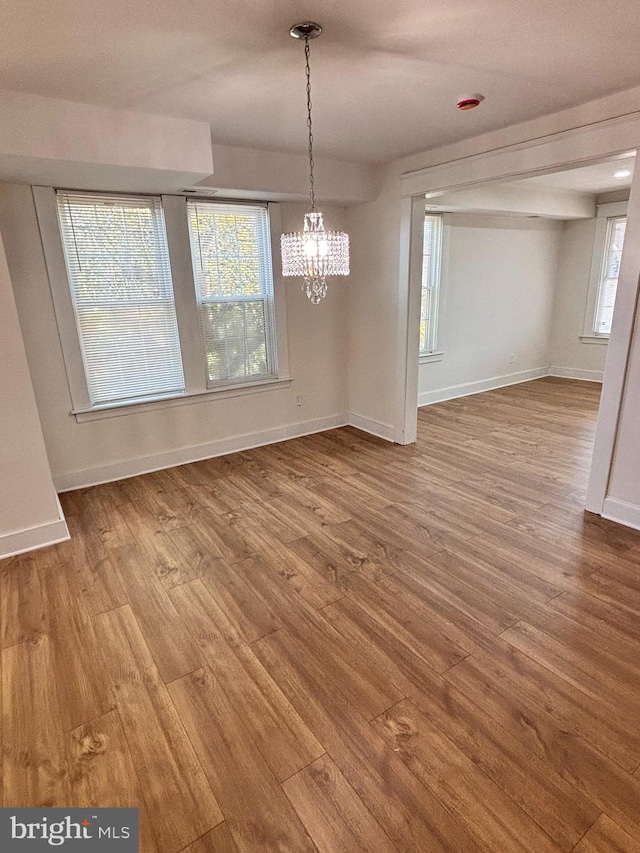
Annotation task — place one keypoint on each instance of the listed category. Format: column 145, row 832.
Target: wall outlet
column 512, row 358
column 298, row 399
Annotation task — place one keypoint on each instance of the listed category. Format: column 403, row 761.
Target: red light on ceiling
column 469, row 102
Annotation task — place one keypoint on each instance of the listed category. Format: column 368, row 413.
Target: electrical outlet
column 298, row 399
column 512, row 358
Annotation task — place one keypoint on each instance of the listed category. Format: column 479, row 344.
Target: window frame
column 605, row 213
column 266, row 296
column 191, row 346
column 435, row 352
column 85, row 304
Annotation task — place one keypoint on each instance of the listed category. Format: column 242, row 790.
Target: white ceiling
column 589, row 179
column 386, row 75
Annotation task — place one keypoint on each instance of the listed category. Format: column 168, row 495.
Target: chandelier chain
column 314, row 253
column 307, row 54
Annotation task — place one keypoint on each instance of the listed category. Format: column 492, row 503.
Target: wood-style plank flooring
column 335, row 644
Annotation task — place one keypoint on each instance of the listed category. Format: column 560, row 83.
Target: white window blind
column 117, row 260
column 431, row 263
column 608, row 285
column 231, row 252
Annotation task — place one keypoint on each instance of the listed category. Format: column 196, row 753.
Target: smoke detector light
column 469, row 102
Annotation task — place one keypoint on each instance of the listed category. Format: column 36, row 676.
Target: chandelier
column 313, row 253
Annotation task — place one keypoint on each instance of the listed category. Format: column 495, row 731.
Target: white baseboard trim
column 378, row 428
column 155, row 462
column 622, row 512
column 32, row 538
column 183, row 455
column 427, row 398
column 577, row 373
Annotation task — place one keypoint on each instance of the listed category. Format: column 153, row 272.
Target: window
column 160, row 299
column 608, row 281
column 605, row 266
column 231, row 254
column 431, row 269
column 118, row 266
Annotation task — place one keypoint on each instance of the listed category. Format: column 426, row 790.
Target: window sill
column 222, row 392
column 594, row 339
column 430, row 357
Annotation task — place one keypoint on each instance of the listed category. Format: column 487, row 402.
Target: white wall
column 569, row 355
column 250, row 173
column 83, row 453
column 49, row 141
column 496, row 307
column 374, row 232
column 623, row 495
column 29, row 510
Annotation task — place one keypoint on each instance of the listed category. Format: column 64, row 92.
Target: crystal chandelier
column 313, row 253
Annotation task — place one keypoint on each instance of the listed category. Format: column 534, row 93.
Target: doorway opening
column 519, row 280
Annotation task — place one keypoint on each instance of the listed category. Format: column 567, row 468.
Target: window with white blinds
column 117, row 260
column 231, row 253
column 431, row 265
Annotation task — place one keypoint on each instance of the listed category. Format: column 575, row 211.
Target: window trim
column 191, row 345
column 74, row 207
column 116, row 410
column 438, row 353
column 604, row 214
column 267, row 296
column 430, row 357
column 435, row 319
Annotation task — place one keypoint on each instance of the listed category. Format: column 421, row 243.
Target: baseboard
column 378, row 428
column 32, row 538
column 427, row 398
column 577, row 373
column 183, row 455
column 143, row 465
column 622, row 512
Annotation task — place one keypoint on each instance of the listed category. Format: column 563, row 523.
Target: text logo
column 73, row 830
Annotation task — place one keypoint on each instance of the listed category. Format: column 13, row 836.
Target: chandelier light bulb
column 313, row 253
column 316, row 247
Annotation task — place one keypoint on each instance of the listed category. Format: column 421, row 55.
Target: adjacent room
column 319, row 427
column 519, row 279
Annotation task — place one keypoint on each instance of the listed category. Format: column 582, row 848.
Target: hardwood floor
column 336, row 644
